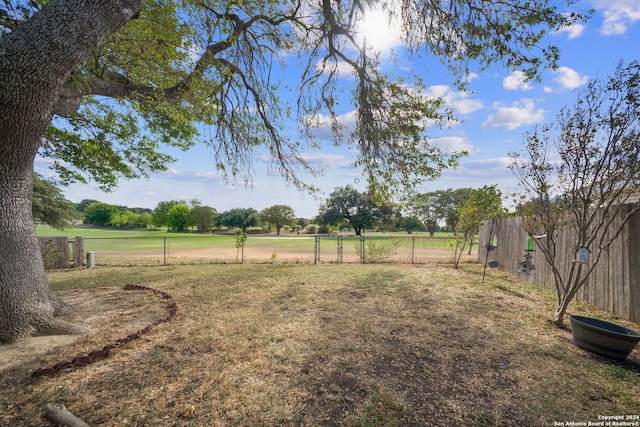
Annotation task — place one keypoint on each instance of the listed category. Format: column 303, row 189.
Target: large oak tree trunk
column 27, row 305
column 36, row 59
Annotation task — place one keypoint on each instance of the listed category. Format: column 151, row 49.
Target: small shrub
column 240, row 237
column 457, row 245
column 323, row 229
column 377, row 251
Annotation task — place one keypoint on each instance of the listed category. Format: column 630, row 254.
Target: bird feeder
column 530, row 244
column 583, row 254
column 492, row 244
column 526, row 266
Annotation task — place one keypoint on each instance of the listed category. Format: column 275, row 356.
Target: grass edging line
column 98, row 354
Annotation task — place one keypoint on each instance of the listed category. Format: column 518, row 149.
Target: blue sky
column 494, row 117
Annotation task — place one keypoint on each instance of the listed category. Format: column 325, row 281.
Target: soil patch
column 109, row 313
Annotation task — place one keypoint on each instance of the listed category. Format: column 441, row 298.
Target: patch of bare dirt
column 109, row 313
column 279, row 254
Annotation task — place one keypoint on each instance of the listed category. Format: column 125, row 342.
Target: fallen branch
column 60, row 415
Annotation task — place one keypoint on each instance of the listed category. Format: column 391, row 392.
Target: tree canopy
column 358, row 209
column 439, row 206
column 484, row 204
column 129, row 218
column 450, row 201
column 426, row 207
column 99, row 213
column 278, row 216
column 410, row 224
column 162, row 209
column 203, row 217
column 82, row 205
column 242, row 218
column 177, row 217
column 50, row 207
column 181, row 73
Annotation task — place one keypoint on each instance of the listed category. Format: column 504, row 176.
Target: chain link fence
column 216, row 249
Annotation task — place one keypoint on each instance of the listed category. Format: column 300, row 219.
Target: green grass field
column 157, row 247
column 89, row 231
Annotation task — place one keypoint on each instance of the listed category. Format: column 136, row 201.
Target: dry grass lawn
column 324, row 345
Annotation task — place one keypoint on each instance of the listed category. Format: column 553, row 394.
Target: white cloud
column 451, row 144
column 520, row 113
column 327, row 160
column 463, row 105
column 459, row 101
column 475, row 174
column 320, row 125
column 516, row 81
column 572, row 31
column 43, row 162
column 191, row 175
column 438, row 91
column 488, row 164
column 619, row 15
column 471, row 76
column 193, row 51
column 341, row 68
column 569, row 78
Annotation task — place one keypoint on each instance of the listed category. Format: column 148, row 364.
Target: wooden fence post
column 77, row 245
column 55, row 251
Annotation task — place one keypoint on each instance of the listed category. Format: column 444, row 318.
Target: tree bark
column 27, row 304
column 561, row 309
column 36, row 59
column 566, row 295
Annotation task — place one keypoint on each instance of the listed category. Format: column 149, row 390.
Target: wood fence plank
column 55, row 251
column 615, row 283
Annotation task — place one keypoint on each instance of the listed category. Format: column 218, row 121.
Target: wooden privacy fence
column 56, row 254
column 613, row 286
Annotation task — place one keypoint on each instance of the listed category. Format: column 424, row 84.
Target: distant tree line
column 51, row 208
column 431, row 212
column 345, row 208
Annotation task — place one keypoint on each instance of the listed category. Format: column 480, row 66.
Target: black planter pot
column 603, row 338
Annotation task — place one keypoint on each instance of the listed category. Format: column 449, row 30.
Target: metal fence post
column 164, row 250
column 413, row 247
column 340, row 249
column 316, row 250
column 362, row 250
